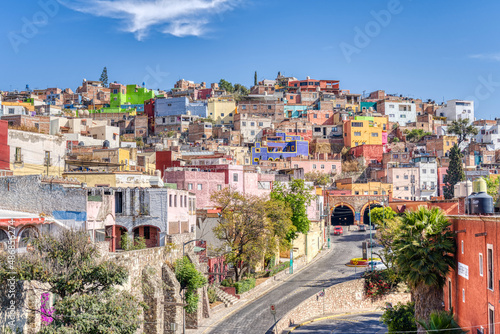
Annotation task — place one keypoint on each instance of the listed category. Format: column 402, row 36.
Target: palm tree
column 425, row 250
column 462, row 129
column 442, row 321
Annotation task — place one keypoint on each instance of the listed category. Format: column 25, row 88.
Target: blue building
column 295, row 111
column 278, row 147
column 179, row 106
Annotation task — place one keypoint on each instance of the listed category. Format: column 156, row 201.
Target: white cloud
column 486, row 56
column 176, row 17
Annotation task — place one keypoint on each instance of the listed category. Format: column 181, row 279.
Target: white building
column 251, row 127
column 427, row 167
column 405, row 182
column 457, row 109
column 401, row 112
column 491, row 137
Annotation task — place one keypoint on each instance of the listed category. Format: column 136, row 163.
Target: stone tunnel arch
column 342, row 214
column 366, row 212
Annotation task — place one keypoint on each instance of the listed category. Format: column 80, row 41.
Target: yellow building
column 363, row 132
column 441, row 146
column 222, row 110
column 370, row 188
column 25, row 105
column 123, row 156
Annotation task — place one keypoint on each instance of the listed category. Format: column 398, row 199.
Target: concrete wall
column 343, row 297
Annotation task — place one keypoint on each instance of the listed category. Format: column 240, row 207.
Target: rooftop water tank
column 480, row 203
column 105, row 144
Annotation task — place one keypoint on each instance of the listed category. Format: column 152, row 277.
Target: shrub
column 380, row 282
column 245, row 285
column 400, row 318
column 212, row 296
column 442, row 321
column 190, row 280
column 227, row 282
column 276, row 269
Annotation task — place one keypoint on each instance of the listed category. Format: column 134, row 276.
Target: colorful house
column 365, row 130
column 125, row 98
column 278, row 147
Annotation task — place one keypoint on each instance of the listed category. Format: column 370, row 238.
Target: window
column 327, row 116
column 222, row 114
column 402, row 116
column 358, row 134
column 397, row 176
column 18, row 156
column 295, row 166
column 449, row 295
column 170, row 200
column 391, row 106
column 254, row 107
column 261, row 123
column 424, row 171
column 185, row 201
column 146, row 232
column 243, row 107
column 334, row 166
column 392, row 115
column 315, row 116
column 397, row 188
column 252, row 123
column 357, row 124
column 269, row 107
column 383, row 192
column 480, row 264
column 491, row 319
column 374, row 134
column 219, row 187
column 190, row 186
column 463, row 295
column 432, row 171
column 406, row 177
column 375, row 193
column 252, row 133
column 200, row 186
column 244, row 123
column 230, row 114
column 366, row 192
column 489, row 263
column 314, row 166
column 175, row 200
column 235, row 177
column 356, row 193
column 322, row 166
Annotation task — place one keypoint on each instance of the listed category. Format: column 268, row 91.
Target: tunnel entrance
column 342, row 215
column 366, row 213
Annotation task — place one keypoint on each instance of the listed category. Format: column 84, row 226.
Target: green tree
column 455, row 172
column 400, row 318
column 249, row 226
column 380, row 214
column 425, row 248
column 319, row 179
column 493, row 183
column 240, row 90
column 104, row 77
column 83, row 284
column 298, row 196
column 442, row 321
column 463, row 129
column 255, row 82
column 226, row 85
column 416, row 135
column 112, row 311
column 190, row 280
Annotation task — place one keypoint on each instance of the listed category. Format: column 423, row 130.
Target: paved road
column 367, row 323
column 255, row 318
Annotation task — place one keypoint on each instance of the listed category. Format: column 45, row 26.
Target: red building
column 4, row 147
column 371, row 153
column 473, row 288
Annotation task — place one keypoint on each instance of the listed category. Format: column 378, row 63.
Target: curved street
column 255, row 318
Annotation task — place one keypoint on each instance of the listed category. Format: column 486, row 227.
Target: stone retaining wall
column 343, row 297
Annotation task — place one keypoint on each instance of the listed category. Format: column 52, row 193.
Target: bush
column 379, row 282
column 440, row 321
column 400, row 318
column 212, row 296
column 128, row 244
column 227, row 282
column 190, row 280
column 245, row 285
column 276, row 269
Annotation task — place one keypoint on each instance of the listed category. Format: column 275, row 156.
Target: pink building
column 324, row 165
column 442, row 171
column 405, row 182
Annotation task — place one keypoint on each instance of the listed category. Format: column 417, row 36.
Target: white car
column 377, row 265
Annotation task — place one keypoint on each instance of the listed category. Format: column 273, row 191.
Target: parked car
column 377, row 265
column 361, row 227
column 338, row 230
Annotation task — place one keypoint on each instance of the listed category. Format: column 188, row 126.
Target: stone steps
column 226, row 298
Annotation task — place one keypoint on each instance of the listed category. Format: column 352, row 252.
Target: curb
column 242, row 304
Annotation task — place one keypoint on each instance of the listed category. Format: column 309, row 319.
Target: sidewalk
column 208, row 323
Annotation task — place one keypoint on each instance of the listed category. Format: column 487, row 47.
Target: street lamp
column 183, row 292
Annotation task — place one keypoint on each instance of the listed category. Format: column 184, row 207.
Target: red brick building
column 371, row 153
column 473, row 288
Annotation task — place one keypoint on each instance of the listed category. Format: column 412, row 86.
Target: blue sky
column 423, row 49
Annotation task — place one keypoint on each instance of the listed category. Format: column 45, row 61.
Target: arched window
column 27, row 235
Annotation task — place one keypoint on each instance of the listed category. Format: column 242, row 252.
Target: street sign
column 273, row 310
column 322, row 293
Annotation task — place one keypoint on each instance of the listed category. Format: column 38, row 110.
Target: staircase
column 226, row 298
